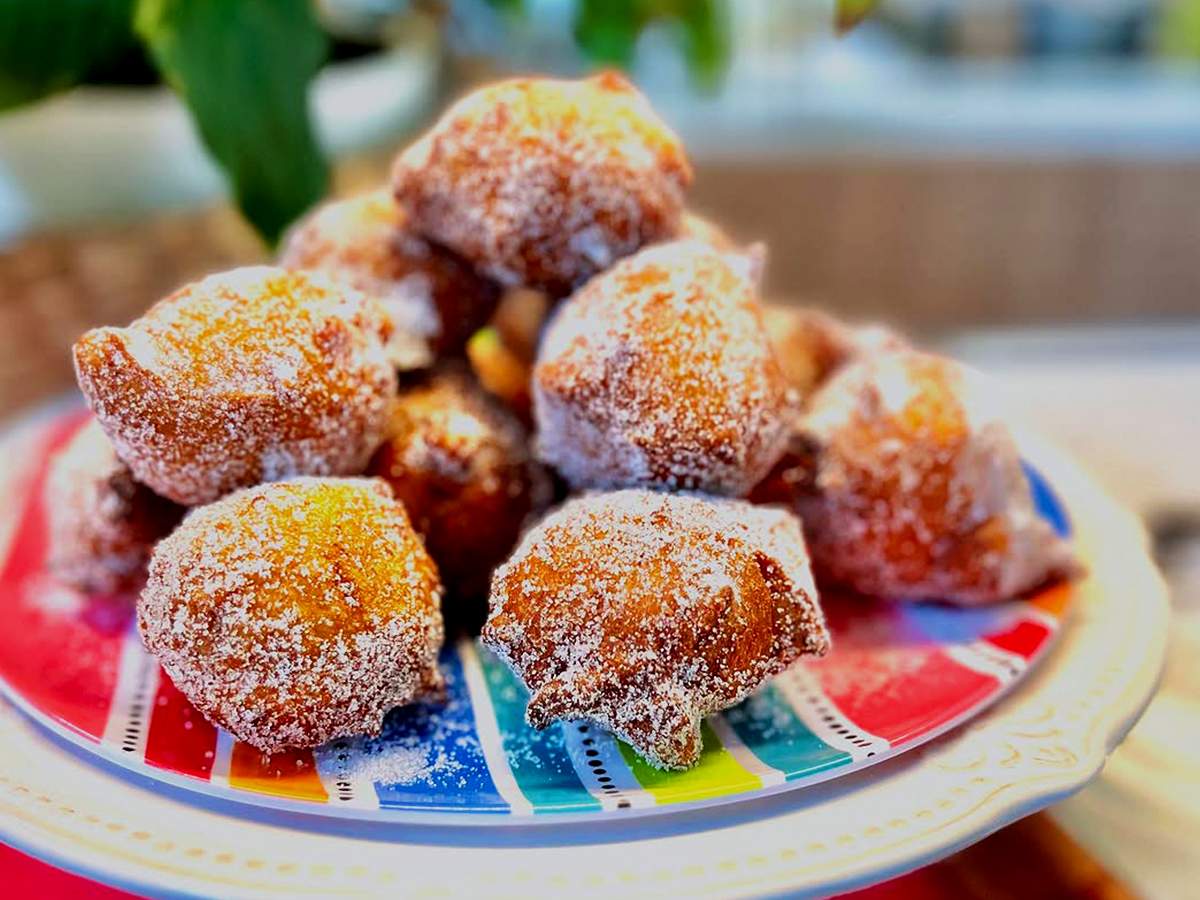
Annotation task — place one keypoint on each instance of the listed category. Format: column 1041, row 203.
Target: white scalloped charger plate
column 1045, row 740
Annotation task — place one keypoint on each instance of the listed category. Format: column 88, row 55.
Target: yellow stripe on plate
column 717, row 774
column 1055, row 599
column 289, row 773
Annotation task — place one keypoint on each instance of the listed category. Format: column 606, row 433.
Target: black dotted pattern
column 830, row 716
column 139, row 706
column 603, row 780
column 343, row 789
column 998, row 658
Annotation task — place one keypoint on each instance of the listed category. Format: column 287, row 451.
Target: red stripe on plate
column 1024, row 639
column 59, row 650
column 180, row 740
column 900, row 695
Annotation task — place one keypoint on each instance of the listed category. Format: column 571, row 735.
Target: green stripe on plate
column 717, row 774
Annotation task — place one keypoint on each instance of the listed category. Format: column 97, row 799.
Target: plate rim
column 1109, row 724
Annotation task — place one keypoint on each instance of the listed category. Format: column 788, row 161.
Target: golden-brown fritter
column 253, row 375
column 436, row 301
column 502, row 354
column 917, row 489
column 102, row 524
column 811, row 345
column 461, row 466
column 694, row 226
column 543, row 183
column 296, row 612
column 519, row 320
column 659, row 373
column 502, row 372
column 645, row 612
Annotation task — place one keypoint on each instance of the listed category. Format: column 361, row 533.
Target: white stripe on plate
column 129, row 714
column 823, row 719
column 336, row 767
column 987, row 659
column 768, row 775
column 625, row 791
column 489, row 733
column 1042, row 617
column 222, row 758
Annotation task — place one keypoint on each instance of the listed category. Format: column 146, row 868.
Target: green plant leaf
column 1179, row 29
column 850, row 12
column 49, row 45
column 705, row 39
column 607, row 30
column 243, row 68
column 508, row 7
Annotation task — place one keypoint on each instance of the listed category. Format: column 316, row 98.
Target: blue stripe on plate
column 1048, row 505
column 771, row 730
column 434, row 760
column 538, row 759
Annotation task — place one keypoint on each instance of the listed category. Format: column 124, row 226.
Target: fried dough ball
column 659, row 373
column 542, row 182
column 696, row 227
column 258, row 374
column 812, row 345
column 645, row 612
column 502, row 354
column 502, row 372
column 296, row 612
column 102, row 524
column 917, row 489
column 519, row 320
column 435, row 300
column 461, row 466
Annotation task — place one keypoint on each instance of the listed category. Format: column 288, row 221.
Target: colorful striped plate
column 900, row 675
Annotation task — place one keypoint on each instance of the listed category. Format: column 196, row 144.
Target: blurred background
column 945, row 165
column 1016, row 181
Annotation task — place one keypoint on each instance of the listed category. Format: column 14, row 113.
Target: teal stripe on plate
column 772, row 731
column 538, row 759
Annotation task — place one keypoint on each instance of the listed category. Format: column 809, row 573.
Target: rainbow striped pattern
column 899, row 675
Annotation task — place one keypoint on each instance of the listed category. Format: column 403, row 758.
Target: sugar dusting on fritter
column 296, row 612
column 543, row 182
column 659, row 372
column 461, row 465
column 646, row 611
column 435, row 300
column 102, row 524
column 252, row 375
column 918, row 487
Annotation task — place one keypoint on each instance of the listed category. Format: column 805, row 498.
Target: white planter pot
column 112, row 153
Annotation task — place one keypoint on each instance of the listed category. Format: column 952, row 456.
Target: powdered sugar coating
column 435, row 300
column 658, row 372
column 258, row 374
column 693, row 226
column 543, row 182
column 460, row 464
column 916, row 489
column 646, row 611
column 296, row 612
column 811, row 345
column 102, row 524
